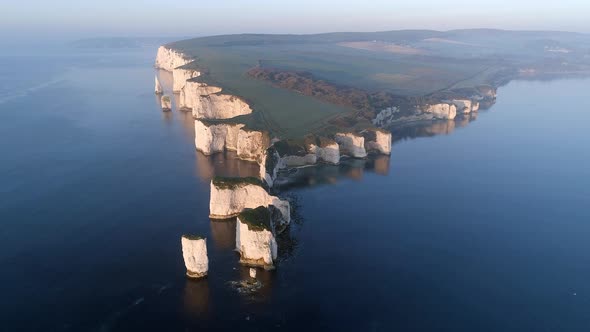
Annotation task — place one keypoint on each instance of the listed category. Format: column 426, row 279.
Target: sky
column 69, row 19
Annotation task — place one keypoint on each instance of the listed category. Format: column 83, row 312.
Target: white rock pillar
column 158, row 89
column 166, row 103
column 194, row 252
column 255, row 240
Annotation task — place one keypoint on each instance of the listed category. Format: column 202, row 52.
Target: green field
column 404, row 63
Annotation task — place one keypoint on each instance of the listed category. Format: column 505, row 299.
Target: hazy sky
column 84, row 18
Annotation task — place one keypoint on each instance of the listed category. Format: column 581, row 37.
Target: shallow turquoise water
column 482, row 229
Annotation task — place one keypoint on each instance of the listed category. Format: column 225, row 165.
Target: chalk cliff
column 464, row 106
column 194, row 252
column 269, row 166
column 168, row 59
column 216, row 137
column 377, row 141
column 180, row 76
column 351, row 144
column 252, row 144
column 441, row 111
column 207, row 103
column 327, row 150
column 255, row 240
column 230, row 196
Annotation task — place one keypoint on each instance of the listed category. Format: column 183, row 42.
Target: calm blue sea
column 484, row 226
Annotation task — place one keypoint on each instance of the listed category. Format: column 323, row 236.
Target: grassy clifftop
column 350, row 72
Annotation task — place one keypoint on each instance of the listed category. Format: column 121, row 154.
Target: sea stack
column 255, row 240
column 166, row 103
column 158, row 88
column 194, row 252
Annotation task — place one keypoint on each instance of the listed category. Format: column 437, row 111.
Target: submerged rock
column 166, row 103
column 255, row 240
column 230, row 196
column 194, row 252
column 158, row 88
column 351, row 144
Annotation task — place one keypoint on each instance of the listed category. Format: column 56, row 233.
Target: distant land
column 296, row 84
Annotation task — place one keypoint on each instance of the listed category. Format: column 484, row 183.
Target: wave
column 25, row 92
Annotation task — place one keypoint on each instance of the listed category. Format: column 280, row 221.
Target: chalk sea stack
column 194, row 252
column 255, row 240
column 166, row 103
column 158, row 89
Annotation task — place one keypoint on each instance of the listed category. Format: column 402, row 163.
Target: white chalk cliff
column 327, row 151
column 169, row 59
column 351, row 144
column 194, row 252
column 378, row 141
column 180, row 76
column 441, row 111
column 206, row 102
column 252, row 144
column 211, row 138
column 229, row 197
column 466, row 106
column 255, row 240
column 219, row 106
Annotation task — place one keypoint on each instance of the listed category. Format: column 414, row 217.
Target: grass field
column 404, row 63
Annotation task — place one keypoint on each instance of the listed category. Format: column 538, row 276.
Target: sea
column 477, row 224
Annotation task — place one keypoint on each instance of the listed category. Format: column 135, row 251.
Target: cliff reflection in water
column 223, row 164
column 223, row 233
column 348, row 168
column 196, row 297
column 430, row 128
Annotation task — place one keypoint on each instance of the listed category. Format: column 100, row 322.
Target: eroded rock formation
column 252, row 144
column 169, row 59
column 166, row 103
column 255, row 240
column 216, row 137
column 206, row 102
column 194, row 252
column 377, row 141
column 351, row 144
column 230, row 196
column 442, row 111
column 180, row 77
